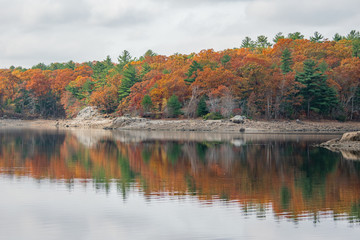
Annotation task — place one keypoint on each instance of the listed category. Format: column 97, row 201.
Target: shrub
column 341, row 118
column 213, row 116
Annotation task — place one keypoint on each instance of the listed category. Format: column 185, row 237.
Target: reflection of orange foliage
column 259, row 177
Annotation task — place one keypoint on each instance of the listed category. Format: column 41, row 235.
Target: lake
column 94, row 184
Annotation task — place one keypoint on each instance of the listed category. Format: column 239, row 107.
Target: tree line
column 293, row 77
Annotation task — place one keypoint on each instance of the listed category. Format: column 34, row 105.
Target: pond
column 89, row 184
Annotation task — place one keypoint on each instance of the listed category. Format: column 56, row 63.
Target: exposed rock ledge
column 348, row 145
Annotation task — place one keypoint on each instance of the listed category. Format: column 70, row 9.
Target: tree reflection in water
column 287, row 176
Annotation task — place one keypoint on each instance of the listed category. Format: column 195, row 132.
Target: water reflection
column 260, row 174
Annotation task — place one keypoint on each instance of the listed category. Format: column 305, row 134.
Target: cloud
column 83, row 30
column 306, row 12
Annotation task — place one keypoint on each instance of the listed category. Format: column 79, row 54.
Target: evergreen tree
column 295, row 36
column 202, row 107
column 41, row 66
column 173, row 106
column 356, row 48
column 262, row 42
column 278, row 36
column 317, row 37
column 225, row 59
column 123, row 59
column 149, row 53
column 146, row 103
column 108, row 63
column 337, row 37
column 353, row 35
column 192, row 72
column 70, row 64
column 286, row 61
column 128, row 80
column 248, row 43
column 99, row 69
column 318, row 96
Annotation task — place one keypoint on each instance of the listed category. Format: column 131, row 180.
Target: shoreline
column 190, row 125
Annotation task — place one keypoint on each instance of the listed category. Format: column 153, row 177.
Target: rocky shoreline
column 191, row 125
column 90, row 118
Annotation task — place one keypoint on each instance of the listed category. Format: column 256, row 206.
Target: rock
column 299, row 122
column 348, row 145
column 88, row 113
column 238, row 119
column 350, row 137
column 125, row 121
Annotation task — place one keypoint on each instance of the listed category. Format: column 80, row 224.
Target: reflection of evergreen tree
column 317, row 164
column 146, row 153
column 127, row 175
column 190, row 181
column 173, row 152
column 285, row 197
column 201, row 149
column 355, row 213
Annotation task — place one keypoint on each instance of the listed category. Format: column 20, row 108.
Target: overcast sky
column 83, row 30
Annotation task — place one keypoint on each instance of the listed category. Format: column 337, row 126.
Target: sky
column 85, row 30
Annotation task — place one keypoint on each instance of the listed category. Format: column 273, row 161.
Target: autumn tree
column 347, row 77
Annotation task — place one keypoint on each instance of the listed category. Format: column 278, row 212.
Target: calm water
column 147, row 185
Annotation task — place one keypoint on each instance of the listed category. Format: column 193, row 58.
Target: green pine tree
column 278, row 36
column 174, row 106
column 317, row 37
column 337, row 37
column 123, row 59
column 225, row 59
column 202, row 107
column 193, row 72
column 147, row 103
column 286, row 61
column 262, row 42
column 295, row 36
column 129, row 79
column 318, row 96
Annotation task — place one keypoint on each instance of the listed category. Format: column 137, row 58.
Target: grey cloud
column 82, row 30
column 306, row 12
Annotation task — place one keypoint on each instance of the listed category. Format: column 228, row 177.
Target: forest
column 292, row 77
